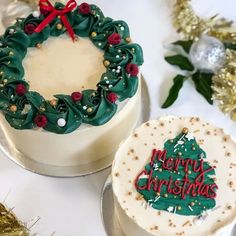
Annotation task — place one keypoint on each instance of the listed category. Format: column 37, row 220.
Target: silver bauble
column 208, row 54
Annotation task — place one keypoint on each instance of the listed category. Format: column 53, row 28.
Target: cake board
column 8, row 148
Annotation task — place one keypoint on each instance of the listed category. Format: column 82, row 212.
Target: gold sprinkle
column 225, row 139
column 185, row 130
column 93, row 34
column 5, row 81
column 106, row 63
column 186, row 223
column 128, row 40
column 139, row 197
column 38, row 45
column 90, row 109
column 76, row 39
column 11, row 53
column 165, row 195
column 117, row 174
column 129, row 193
column 156, row 227
column 59, row 26
column 192, row 204
column 179, row 208
column 53, row 102
column 13, row 108
column 228, row 154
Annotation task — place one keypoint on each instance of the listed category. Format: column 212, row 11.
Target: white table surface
column 71, row 207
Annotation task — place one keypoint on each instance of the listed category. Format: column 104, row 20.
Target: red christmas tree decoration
column 114, row 39
column 41, row 121
column 76, row 96
column 132, row 69
column 21, row 89
column 112, row 97
column 84, row 8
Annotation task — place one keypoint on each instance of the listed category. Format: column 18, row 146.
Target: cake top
column 176, row 174
column 27, row 109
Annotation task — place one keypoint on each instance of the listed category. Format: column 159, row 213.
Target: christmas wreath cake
column 69, row 80
column 176, row 177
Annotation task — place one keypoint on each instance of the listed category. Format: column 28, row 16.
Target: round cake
column 176, row 176
column 69, row 79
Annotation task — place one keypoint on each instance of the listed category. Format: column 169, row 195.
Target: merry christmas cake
column 69, row 81
column 176, row 176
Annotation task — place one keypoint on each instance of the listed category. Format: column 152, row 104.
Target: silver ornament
column 61, row 122
column 208, row 54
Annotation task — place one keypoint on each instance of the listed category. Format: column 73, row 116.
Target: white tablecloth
column 71, row 207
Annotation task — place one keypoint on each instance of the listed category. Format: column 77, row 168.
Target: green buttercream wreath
column 25, row 109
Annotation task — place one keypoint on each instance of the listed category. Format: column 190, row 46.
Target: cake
column 69, row 79
column 176, row 176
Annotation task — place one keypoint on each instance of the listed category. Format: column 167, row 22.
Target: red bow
column 47, row 6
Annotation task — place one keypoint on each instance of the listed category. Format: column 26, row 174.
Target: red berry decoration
column 132, row 69
column 76, row 96
column 41, row 121
column 112, row 97
column 44, row 12
column 114, row 39
column 30, row 28
column 20, row 89
column 84, row 8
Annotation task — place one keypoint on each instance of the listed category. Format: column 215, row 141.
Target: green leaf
column 182, row 62
column 174, row 91
column 231, row 46
column 186, row 45
column 203, row 82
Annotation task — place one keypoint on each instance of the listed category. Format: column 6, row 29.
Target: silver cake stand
column 108, row 212
column 8, row 147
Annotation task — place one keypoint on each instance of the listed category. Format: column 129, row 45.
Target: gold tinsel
column 191, row 27
column 224, row 85
column 9, row 225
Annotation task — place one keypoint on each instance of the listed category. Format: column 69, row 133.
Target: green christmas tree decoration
column 179, row 179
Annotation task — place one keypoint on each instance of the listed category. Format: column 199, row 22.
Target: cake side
column 85, row 145
column 135, row 153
